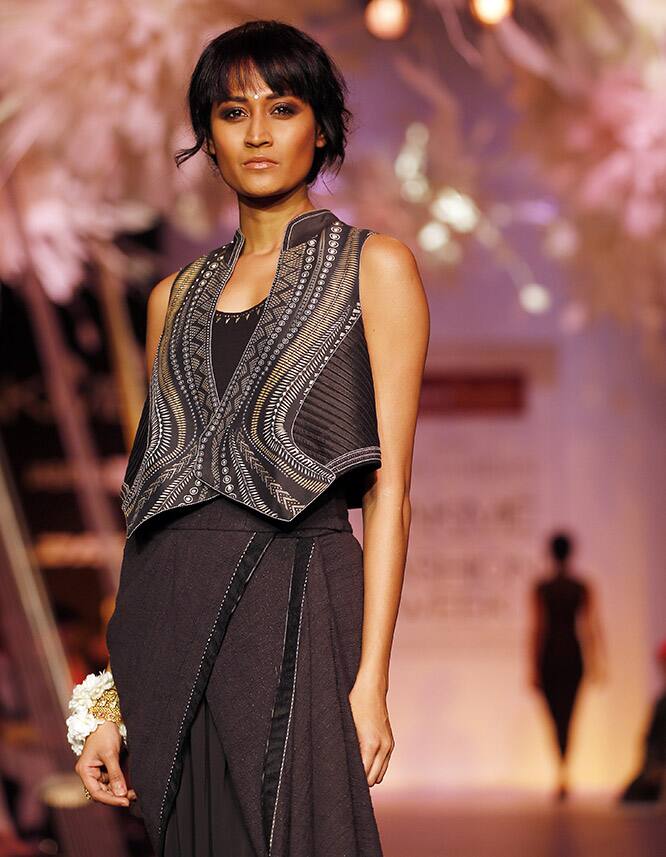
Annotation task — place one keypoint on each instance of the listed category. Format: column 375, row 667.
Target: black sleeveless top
column 231, row 331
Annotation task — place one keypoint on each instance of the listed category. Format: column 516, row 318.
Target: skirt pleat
column 206, row 820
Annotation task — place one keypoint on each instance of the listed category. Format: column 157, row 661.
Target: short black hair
column 561, row 545
column 289, row 61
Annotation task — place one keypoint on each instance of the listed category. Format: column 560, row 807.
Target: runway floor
column 492, row 826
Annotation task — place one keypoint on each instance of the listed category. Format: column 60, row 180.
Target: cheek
column 226, row 141
column 300, row 141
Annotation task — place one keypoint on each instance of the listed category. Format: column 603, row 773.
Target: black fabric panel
column 206, row 820
column 338, row 414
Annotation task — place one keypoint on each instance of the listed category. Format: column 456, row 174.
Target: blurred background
column 519, row 149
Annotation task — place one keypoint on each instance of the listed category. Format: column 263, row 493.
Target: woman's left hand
column 368, row 704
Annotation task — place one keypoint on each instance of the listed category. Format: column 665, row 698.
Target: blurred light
column 456, row 209
column 408, row 164
column 491, row 11
column 561, row 240
column 387, row 19
column 417, row 133
column 534, row 297
column 538, row 211
column 654, row 74
column 62, row 790
column 59, row 549
column 573, row 317
column 450, row 253
column 433, row 235
column 416, row 189
column 487, row 233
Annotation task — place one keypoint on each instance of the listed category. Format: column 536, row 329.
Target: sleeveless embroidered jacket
column 299, row 410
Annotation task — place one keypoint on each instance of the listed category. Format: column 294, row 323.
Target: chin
column 258, row 192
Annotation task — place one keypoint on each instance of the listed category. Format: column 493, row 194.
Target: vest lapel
column 301, row 231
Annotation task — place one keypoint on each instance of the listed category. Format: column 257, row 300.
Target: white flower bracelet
column 94, row 701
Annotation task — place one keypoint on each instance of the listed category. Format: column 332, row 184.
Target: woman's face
column 257, row 124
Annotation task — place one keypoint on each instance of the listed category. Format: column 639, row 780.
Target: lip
column 259, row 163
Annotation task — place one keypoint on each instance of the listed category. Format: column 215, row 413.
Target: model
column 567, row 642
column 250, row 643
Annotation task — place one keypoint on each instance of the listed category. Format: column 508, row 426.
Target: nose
column 257, row 130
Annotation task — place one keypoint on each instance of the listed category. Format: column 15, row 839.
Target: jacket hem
column 349, row 460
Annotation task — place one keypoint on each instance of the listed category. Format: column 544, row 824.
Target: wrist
column 372, row 679
column 94, row 701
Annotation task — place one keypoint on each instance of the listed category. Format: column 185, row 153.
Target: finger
column 100, row 793
column 375, row 767
column 97, row 773
column 384, row 767
column 368, row 757
column 372, row 749
column 89, row 769
column 116, row 778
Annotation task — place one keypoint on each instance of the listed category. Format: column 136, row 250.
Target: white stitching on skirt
column 291, row 703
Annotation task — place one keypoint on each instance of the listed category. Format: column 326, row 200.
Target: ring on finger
column 87, row 793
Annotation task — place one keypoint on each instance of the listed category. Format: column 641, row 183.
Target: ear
column 209, row 148
column 320, row 139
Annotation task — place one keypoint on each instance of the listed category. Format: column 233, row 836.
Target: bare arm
column 156, row 309
column 158, row 301
column 102, row 747
column 397, row 327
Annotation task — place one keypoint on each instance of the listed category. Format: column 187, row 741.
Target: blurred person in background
column 648, row 784
column 566, row 644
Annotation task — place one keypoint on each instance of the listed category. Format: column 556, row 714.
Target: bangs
column 283, row 74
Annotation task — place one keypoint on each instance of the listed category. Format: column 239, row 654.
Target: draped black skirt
column 234, row 645
column 206, row 820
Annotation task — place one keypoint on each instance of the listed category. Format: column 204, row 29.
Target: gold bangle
column 107, row 706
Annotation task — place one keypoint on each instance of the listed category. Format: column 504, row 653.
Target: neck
column 263, row 225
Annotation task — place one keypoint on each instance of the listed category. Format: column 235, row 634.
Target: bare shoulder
column 386, row 255
column 388, row 269
column 156, row 311
column 158, row 298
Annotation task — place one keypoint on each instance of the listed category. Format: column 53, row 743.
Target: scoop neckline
column 242, row 311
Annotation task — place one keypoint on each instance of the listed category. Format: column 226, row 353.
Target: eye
column 227, row 114
column 288, row 109
column 282, row 109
